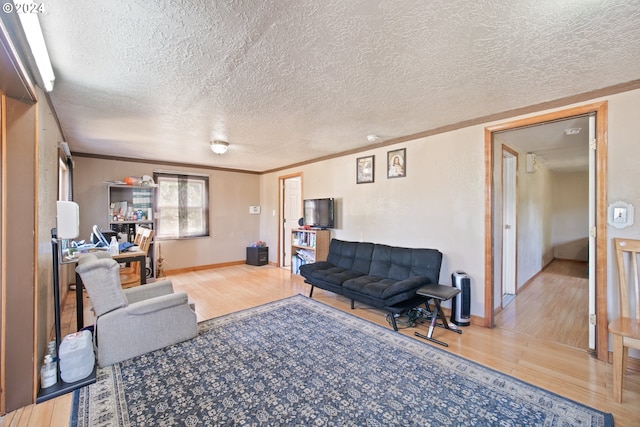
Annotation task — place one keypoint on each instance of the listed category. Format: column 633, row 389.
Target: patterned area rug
column 299, row 362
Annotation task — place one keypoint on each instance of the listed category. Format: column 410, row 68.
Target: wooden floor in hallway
column 553, row 306
column 559, row 368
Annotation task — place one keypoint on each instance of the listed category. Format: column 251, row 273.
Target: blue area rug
column 299, row 362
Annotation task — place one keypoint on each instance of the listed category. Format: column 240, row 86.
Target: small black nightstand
column 257, row 256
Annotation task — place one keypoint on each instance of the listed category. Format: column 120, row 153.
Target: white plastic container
column 76, row 357
column 114, row 248
column 48, row 372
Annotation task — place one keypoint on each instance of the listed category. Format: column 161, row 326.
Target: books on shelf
column 300, row 238
column 301, row 257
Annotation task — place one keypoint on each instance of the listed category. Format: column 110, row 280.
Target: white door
column 592, row 232
column 509, row 215
column 292, row 208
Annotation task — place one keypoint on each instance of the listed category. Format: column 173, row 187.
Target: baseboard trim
column 203, row 267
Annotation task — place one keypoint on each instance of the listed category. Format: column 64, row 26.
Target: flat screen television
column 319, row 213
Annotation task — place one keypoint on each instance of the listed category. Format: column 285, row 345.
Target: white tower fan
column 461, row 304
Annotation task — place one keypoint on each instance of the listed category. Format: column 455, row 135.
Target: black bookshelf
column 60, row 387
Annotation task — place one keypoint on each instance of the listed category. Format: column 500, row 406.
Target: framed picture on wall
column 397, row 163
column 365, row 172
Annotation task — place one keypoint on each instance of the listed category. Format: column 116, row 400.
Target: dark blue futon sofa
column 378, row 275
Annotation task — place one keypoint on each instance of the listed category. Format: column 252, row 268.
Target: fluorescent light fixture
column 33, row 31
column 219, row 147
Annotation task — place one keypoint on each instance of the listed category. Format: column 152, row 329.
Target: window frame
column 183, row 179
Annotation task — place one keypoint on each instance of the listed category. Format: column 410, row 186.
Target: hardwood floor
column 560, row 368
column 554, row 306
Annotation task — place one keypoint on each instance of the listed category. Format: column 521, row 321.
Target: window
column 182, row 205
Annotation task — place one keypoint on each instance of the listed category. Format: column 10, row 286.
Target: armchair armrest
column 151, row 290
column 156, row 304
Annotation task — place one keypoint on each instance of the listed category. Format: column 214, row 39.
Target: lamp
column 33, row 31
column 219, row 147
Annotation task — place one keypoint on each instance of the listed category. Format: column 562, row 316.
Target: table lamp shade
column 68, row 220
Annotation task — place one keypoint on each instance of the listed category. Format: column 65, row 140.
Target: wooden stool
column 438, row 293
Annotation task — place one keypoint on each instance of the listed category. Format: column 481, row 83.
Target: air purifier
column 461, row 303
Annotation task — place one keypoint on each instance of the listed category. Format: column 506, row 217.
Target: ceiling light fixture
column 219, row 147
column 33, row 31
column 373, row 138
column 572, row 131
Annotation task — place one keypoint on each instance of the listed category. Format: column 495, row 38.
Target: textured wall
column 571, row 215
column 439, row 204
column 441, row 201
column 230, row 195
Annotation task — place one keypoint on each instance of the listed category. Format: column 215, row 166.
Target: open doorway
column 550, row 278
column 540, row 244
column 290, row 207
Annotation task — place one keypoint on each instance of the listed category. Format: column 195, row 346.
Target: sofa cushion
column 401, row 263
column 327, row 272
column 382, row 292
column 355, row 256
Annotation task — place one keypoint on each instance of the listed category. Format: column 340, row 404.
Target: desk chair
column 131, row 276
column 626, row 329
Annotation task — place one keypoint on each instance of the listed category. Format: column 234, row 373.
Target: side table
column 257, row 256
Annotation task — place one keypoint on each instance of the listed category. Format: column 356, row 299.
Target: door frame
column 281, row 180
column 600, row 109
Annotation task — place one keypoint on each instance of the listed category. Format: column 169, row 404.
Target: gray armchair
column 134, row 321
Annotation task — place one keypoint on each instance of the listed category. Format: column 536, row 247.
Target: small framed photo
column 397, row 163
column 365, row 169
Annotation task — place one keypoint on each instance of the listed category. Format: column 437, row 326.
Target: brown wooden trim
column 160, row 162
column 557, row 103
column 602, row 126
column 488, row 228
column 561, row 102
column 601, row 110
column 3, row 246
column 203, row 267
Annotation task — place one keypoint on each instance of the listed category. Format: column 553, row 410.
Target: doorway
column 290, row 207
column 494, row 216
column 509, row 224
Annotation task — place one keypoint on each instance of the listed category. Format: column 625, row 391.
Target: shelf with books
column 308, row 246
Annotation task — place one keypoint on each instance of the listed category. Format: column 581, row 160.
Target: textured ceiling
column 285, row 82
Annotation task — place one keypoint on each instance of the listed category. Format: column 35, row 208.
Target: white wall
column 535, row 248
column 230, row 194
column 570, row 226
column 440, row 204
column 623, row 176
